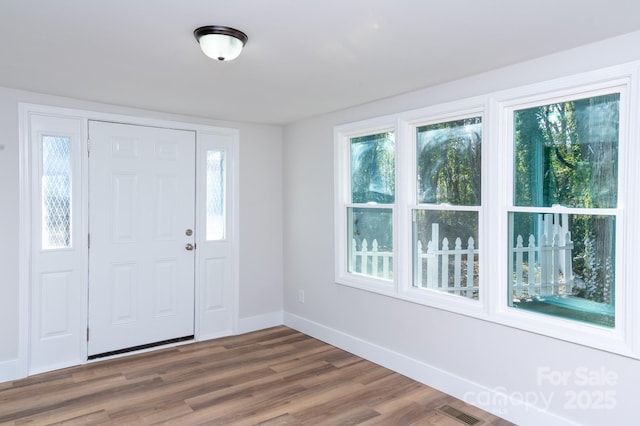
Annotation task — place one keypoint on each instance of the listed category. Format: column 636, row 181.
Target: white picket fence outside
column 448, row 270
column 542, row 268
column 372, row 262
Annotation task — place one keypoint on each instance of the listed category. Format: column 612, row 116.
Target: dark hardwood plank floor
column 276, row 376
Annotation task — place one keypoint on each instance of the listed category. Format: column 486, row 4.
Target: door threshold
column 140, row 347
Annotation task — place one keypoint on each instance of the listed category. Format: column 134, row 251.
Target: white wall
column 261, row 276
column 260, row 292
column 456, row 353
column 9, row 217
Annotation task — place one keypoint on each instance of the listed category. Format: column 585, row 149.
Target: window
column 370, row 213
column 516, row 207
column 446, row 217
column 562, row 221
column 366, row 211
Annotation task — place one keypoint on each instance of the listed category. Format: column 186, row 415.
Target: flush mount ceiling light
column 221, row 43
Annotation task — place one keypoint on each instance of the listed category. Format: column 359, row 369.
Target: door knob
column 189, row 247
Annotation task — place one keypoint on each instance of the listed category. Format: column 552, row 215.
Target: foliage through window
column 445, row 222
column 563, row 224
column 370, row 215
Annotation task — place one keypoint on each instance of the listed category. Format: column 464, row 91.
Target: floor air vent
column 459, row 415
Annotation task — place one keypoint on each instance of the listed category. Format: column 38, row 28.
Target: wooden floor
column 276, row 376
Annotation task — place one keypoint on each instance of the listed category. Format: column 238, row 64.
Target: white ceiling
column 303, row 58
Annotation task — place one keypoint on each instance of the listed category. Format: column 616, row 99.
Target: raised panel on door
column 141, row 204
column 57, row 251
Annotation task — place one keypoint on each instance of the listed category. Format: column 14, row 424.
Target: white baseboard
column 12, row 370
column 216, row 335
column 491, row 400
column 259, row 322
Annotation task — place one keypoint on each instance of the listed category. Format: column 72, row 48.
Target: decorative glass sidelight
column 216, row 195
column 56, row 192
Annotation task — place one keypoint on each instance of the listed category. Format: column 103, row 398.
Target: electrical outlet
column 301, row 296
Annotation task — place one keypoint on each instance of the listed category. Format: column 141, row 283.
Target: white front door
column 141, row 229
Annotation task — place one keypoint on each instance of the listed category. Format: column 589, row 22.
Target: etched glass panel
column 216, row 205
column 56, row 192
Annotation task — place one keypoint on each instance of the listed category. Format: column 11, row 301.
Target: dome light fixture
column 220, row 43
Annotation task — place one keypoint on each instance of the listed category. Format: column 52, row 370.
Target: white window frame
column 496, row 110
column 410, row 121
column 623, row 337
column 342, row 141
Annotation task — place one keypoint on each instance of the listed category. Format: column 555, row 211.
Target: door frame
column 205, row 136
